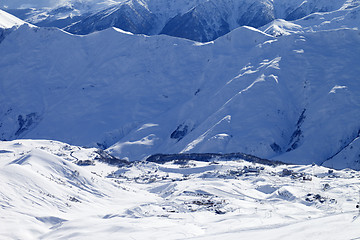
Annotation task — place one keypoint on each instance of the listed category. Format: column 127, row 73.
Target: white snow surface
column 45, row 195
column 8, row 21
column 212, row 14
column 18, row 4
column 288, row 91
column 292, row 98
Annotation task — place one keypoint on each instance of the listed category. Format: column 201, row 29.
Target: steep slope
column 281, row 27
column 345, row 17
column 8, row 21
column 246, row 92
column 212, row 19
column 56, row 13
column 197, row 20
column 305, row 91
column 133, row 16
column 136, row 16
column 292, row 10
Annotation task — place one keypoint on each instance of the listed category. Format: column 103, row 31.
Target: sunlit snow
column 252, row 135
column 50, row 197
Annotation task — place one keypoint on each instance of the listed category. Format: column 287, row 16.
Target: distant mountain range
column 197, row 20
column 168, row 119
column 286, row 91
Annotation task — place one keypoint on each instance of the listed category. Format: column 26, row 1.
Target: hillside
column 8, row 21
column 197, row 20
column 291, row 98
column 108, row 132
column 50, row 197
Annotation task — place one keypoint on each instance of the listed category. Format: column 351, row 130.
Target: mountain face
column 197, row 25
column 291, row 98
column 212, row 19
column 249, row 132
column 132, row 16
column 197, row 20
column 55, row 13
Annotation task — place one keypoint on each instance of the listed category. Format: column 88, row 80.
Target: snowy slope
column 288, row 91
column 281, row 27
column 198, row 20
column 50, row 197
column 41, row 188
column 133, row 16
column 291, row 98
column 212, row 19
column 56, row 13
column 8, row 21
column 209, row 20
column 136, row 16
column 18, row 4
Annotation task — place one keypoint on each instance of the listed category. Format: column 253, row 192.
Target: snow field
column 50, row 197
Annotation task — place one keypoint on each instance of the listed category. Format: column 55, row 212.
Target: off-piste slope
column 44, row 194
column 8, row 21
column 292, row 98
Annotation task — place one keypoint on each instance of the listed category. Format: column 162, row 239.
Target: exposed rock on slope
column 245, row 92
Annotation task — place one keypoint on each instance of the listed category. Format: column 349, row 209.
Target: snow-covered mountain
column 198, row 20
column 133, row 16
column 212, row 19
column 52, row 190
column 181, row 139
column 8, row 21
column 56, row 13
column 292, row 98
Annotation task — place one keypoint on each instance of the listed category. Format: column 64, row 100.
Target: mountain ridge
column 120, row 134
column 194, row 19
column 143, row 95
